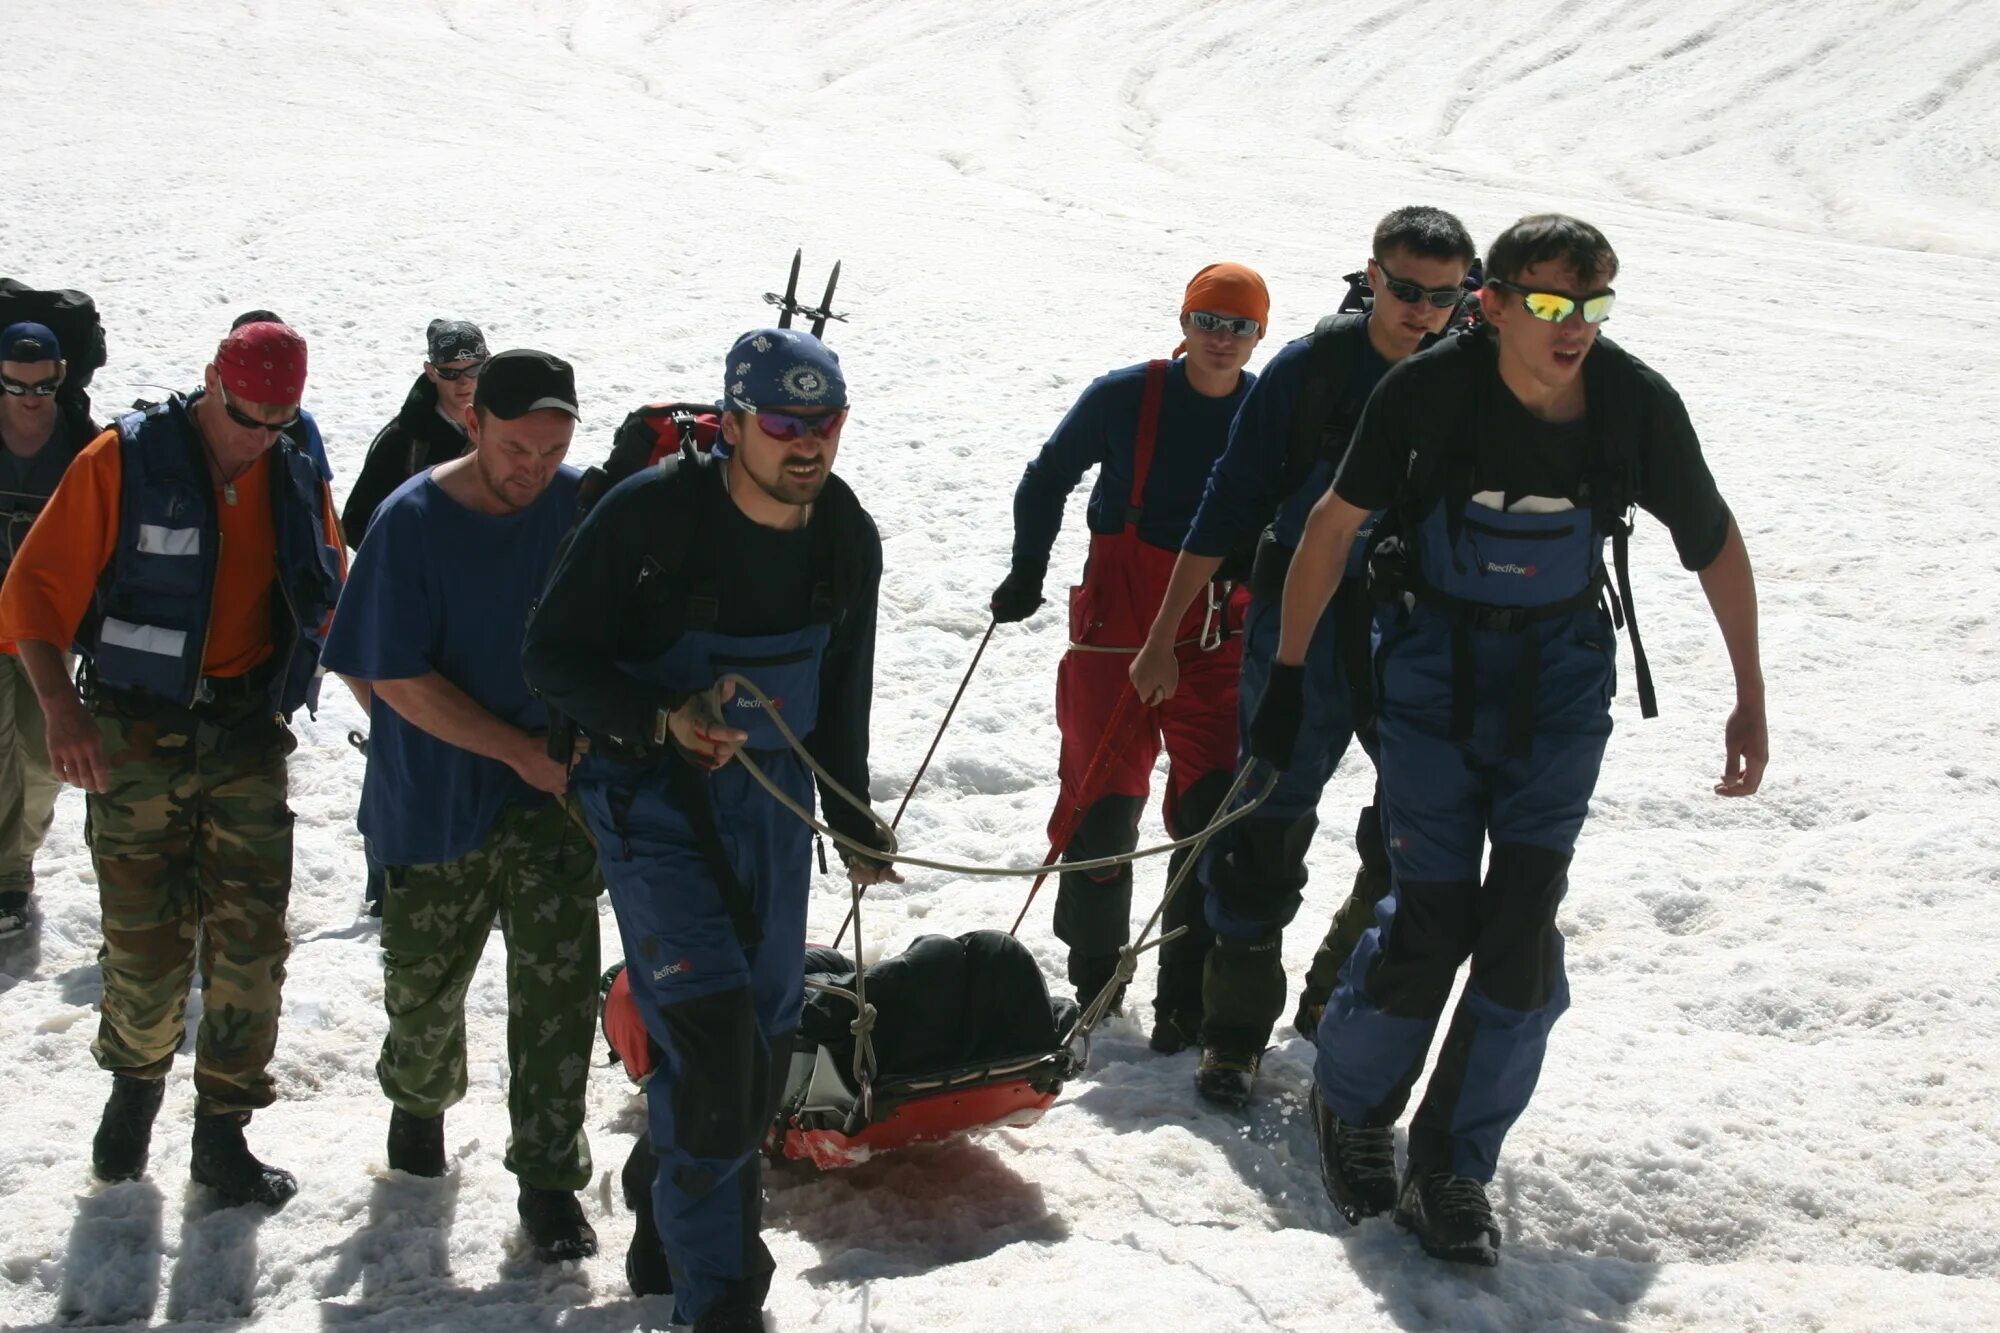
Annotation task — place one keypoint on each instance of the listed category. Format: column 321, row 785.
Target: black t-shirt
column 1456, row 386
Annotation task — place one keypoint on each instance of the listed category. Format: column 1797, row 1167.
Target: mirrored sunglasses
column 38, row 389
column 1210, row 322
column 785, row 428
column 1555, row 307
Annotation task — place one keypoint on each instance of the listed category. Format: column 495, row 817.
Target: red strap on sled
column 1015, row 1103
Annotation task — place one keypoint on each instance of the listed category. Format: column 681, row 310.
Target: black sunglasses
column 248, row 422
column 1440, row 298
column 39, row 389
column 460, row 372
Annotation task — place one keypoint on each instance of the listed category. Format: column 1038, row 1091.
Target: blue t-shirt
column 438, row 587
column 1101, row 431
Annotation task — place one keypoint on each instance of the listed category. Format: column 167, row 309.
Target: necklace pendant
column 229, row 492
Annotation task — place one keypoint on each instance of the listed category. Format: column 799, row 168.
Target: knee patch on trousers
column 1261, row 875
column 720, row 1095
column 1518, row 956
column 1109, row 828
column 1433, row 929
column 1194, row 809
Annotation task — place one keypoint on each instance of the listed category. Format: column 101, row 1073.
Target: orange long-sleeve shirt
column 55, row 573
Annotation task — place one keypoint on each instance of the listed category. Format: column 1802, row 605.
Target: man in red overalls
column 1153, row 430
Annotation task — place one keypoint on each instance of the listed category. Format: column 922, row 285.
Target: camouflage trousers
column 193, row 848
column 537, row 874
column 28, row 786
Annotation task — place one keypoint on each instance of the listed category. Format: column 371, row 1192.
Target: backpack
column 72, row 317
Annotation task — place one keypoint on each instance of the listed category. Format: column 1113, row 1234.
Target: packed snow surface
column 1775, row 1103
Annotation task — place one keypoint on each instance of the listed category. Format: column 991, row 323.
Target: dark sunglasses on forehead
column 39, row 389
column 460, row 372
column 785, row 428
column 1554, row 307
column 248, row 422
column 1210, row 322
column 1409, row 293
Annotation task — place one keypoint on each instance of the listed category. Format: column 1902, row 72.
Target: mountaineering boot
column 14, row 916
column 1174, row 1030
column 1450, row 1217
column 125, row 1131
column 1357, row 1163
column 730, row 1317
column 1226, row 1077
column 1306, row 1021
column 1091, row 975
column 416, row 1143
column 222, row 1161
column 555, row 1224
column 646, row 1269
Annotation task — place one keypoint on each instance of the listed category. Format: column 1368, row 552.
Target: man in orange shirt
column 192, row 558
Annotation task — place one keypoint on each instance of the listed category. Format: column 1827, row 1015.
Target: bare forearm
column 439, row 707
column 1317, row 567
column 1191, row 574
column 47, row 670
column 1731, row 589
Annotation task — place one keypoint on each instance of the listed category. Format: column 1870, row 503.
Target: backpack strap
column 1147, row 438
column 1324, row 408
column 1611, row 489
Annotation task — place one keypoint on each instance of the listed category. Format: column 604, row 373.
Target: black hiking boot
column 223, row 1162
column 730, row 1317
column 14, row 912
column 1175, row 1030
column 646, row 1268
column 1357, row 1164
column 555, row 1224
column 1227, row 1077
column 1091, row 976
column 416, row 1143
column 1450, row 1217
column 125, row 1131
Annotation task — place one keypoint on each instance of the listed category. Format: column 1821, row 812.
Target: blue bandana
column 771, row 370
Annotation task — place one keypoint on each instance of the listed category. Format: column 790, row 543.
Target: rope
column 888, row 851
column 853, row 916
column 1128, row 956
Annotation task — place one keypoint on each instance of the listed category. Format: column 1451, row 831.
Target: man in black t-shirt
column 1505, row 457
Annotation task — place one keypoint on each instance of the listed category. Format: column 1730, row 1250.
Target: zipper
column 1531, row 535
column 208, row 621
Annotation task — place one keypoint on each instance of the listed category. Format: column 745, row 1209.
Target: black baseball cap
column 454, row 340
column 520, row 380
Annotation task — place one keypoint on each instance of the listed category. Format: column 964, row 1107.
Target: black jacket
column 418, row 438
column 619, row 594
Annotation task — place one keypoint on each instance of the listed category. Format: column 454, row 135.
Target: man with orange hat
column 192, row 557
column 1153, row 431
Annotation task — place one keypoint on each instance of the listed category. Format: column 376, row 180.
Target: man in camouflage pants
column 463, row 804
column 191, row 554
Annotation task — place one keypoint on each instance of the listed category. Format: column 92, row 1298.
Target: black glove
column 1274, row 729
column 871, row 834
column 1020, row 593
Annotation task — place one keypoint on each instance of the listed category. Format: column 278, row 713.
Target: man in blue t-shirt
column 1286, row 441
column 462, row 802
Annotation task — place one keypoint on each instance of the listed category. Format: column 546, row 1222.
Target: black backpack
column 72, row 317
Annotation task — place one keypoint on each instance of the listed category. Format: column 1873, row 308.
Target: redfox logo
column 748, row 702
column 673, row 969
column 1525, row 571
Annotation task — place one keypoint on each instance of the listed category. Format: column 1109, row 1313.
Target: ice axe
column 788, row 304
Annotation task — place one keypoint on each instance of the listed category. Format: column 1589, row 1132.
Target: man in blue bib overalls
column 1504, row 457
column 757, row 562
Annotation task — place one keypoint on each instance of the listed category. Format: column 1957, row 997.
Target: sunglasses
column 248, row 422
column 1555, row 307
column 785, row 428
column 460, row 372
column 1409, row 293
column 1209, row 322
column 39, row 389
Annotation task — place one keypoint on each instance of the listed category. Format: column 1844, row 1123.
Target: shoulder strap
column 1612, row 486
column 1147, row 437
column 1323, row 404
